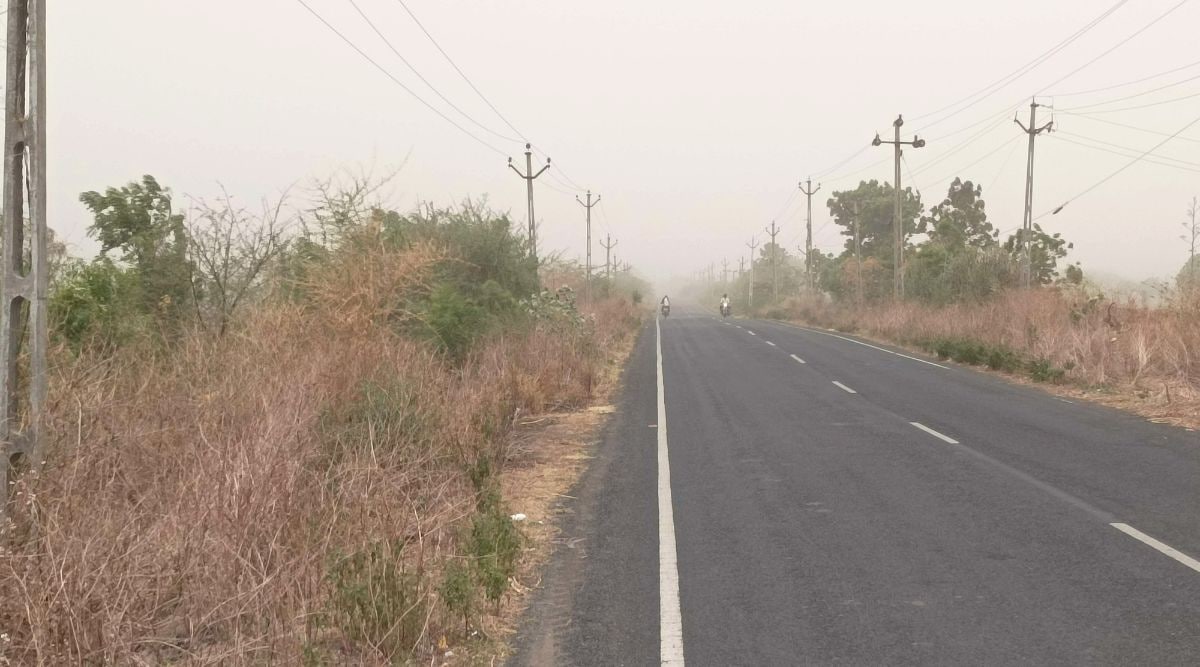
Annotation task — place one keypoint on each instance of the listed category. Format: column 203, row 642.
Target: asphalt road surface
column 828, row 501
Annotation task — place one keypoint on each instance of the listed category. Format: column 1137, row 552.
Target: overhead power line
column 1004, row 163
column 1114, row 47
column 994, row 87
column 856, row 172
column 958, row 172
column 825, row 172
column 1127, row 165
column 1130, row 152
column 960, row 146
column 397, row 81
column 1126, row 126
column 1127, row 83
column 432, row 87
column 1134, row 95
column 1132, row 108
column 459, row 70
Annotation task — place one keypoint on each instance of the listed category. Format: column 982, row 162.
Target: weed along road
column 773, row 495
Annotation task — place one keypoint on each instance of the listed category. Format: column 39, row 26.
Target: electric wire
column 1114, row 47
column 856, row 172
column 839, row 165
column 557, row 167
column 960, row 146
column 1003, row 163
column 1127, row 165
column 397, row 81
column 1127, row 83
column 459, row 70
column 569, row 182
column 418, row 74
column 1133, row 108
column 991, row 89
column 1182, row 165
column 1126, row 126
column 783, row 209
column 1125, row 148
column 1007, row 142
column 1134, row 95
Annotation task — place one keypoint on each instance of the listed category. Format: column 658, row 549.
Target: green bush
column 966, row 351
column 458, row 592
column 1043, row 370
column 1001, row 358
column 374, row 600
column 382, row 416
column 98, row 302
column 454, row 320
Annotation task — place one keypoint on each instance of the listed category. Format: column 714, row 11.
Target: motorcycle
column 726, row 309
column 666, row 310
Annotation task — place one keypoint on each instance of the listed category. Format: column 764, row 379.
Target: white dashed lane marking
column 934, row 433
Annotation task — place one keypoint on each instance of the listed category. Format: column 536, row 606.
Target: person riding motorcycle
column 665, row 306
column 725, row 305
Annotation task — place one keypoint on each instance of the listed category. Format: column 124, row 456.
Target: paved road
column 834, row 502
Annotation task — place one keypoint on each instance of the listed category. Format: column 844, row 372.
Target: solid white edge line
column 934, row 433
column 799, row 359
column 670, row 619
column 848, row 390
column 1165, row 549
column 771, row 344
column 859, row 342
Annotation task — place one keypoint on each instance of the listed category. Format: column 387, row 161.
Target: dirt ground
column 546, row 459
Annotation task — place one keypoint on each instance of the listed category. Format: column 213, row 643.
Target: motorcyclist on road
column 724, row 302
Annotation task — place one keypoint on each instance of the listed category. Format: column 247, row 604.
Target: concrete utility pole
column 725, row 271
column 1192, row 235
column 858, row 254
column 741, row 266
column 752, row 245
column 589, row 206
column 898, row 210
column 23, row 381
column 608, row 245
column 1027, row 224
column 773, row 230
column 808, row 193
column 529, row 176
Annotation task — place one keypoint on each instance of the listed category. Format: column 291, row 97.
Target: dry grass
column 194, row 501
column 1121, row 352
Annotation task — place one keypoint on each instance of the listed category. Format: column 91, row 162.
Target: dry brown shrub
column 1148, row 353
column 193, row 499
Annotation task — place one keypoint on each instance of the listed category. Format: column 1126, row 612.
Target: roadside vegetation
column 963, row 300
column 278, row 436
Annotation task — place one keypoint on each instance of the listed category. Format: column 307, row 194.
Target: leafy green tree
column 960, row 220
column 1074, row 274
column 137, row 221
column 961, row 260
column 1188, row 278
column 1044, row 252
column 875, row 210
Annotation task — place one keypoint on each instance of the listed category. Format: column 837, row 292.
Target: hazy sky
column 693, row 119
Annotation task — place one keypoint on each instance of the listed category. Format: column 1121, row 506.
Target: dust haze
column 694, row 120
